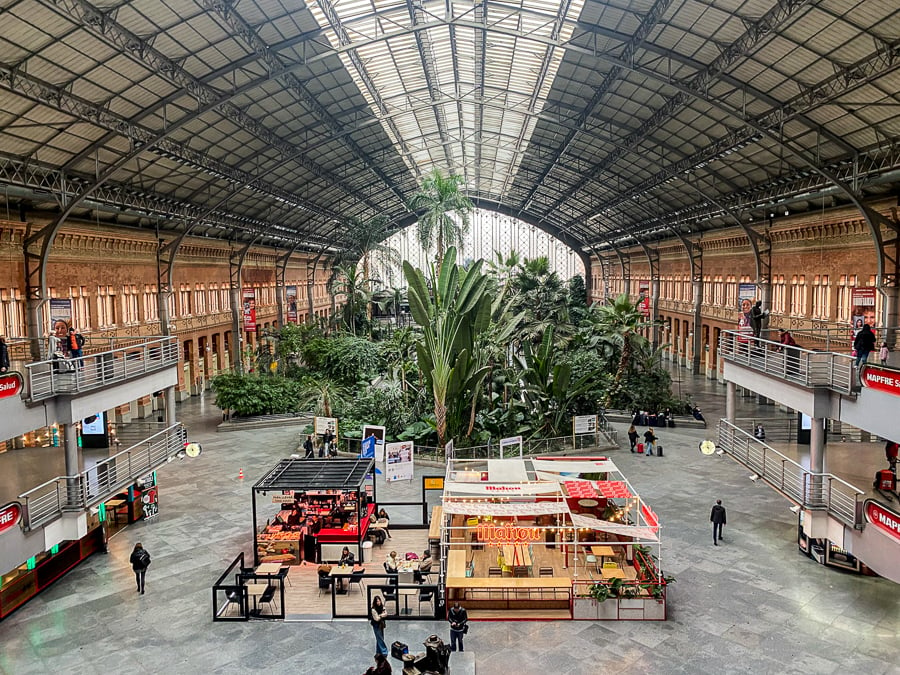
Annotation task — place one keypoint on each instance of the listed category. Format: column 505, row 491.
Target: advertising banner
column 60, row 318
column 862, row 308
column 373, row 442
column 291, row 297
column 399, row 461
column 249, row 298
column 881, row 379
column 746, row 298
column 644, row 297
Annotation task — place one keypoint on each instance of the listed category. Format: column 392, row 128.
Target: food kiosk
column 531, row 538
column 322, row 507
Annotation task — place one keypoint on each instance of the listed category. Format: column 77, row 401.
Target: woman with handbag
column 377, row 616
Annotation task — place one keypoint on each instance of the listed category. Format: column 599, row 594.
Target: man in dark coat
column 863, row 344
column 717, row 518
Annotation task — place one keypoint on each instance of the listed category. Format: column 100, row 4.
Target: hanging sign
column 249, row 296
column 291, row 296
column 10, row 385
column 503, row 534
column 885, row 520
column 644, row 297
column 862, row 308
column 881, row 379
column 10, row 515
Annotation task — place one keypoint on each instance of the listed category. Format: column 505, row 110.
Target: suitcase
column 658, row 450
column 398, row 649
column 885, row 480
column 640, row 448
column 671, row 424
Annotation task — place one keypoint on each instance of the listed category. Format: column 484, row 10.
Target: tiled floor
column 752, row 605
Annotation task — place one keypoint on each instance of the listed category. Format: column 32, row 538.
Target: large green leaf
column 418, row 296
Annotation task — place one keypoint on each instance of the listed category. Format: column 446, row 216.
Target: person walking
column 632, row 436
column 883, row 354
column 717, row 518
column 864, row 344
column 382, row 666
column 377, row 615
column 459, row 625
column 140, row 561
column 4, row 355
column 309, row 447
column 757, row 315
column 649, row 441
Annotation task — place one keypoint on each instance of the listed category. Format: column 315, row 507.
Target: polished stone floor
column 751, row 605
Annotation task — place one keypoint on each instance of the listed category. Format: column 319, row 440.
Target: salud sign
column 881, row 379
column 10, row 516
column 10, row 385
column 884, row 519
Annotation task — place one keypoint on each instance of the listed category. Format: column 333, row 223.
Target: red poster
column 644, row 299
column 10, row 385
column 885, row 520
column 249, row 297
column 862, row 310
column 9, row 516
column 881, row 379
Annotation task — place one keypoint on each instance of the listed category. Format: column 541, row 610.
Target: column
column 730, row 397
column 816, row 494
column 69, row 435
column 170, row 406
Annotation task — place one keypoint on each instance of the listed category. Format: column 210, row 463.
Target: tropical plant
column 348, row 281
column 344, row 358
column 366, row 245
column 450, row 318
column 548, row 390
column 322, row 395
column 256, row 395
column 599, row 591
column 443, row 213
column 621, row 320
column 539, row 293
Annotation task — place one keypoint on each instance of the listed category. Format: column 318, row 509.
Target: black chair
column 283, row 575
column 268, row 596
column 546, row 571
column 426, row 595
column 356, row 578
column 495, row 572
column 325, row 582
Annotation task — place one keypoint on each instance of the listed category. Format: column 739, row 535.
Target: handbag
column 465, row 629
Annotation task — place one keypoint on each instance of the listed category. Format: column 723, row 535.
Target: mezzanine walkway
column 752, row 605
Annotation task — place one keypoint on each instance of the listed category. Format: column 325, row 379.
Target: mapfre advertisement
column 249, row 309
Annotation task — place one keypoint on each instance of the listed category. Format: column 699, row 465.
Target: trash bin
column 367, row 551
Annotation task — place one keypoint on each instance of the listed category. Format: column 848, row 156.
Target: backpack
column 144, row 558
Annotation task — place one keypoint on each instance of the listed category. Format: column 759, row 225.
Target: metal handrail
column 811, row 490
column 805, row 367
column 50, row 499
column 45, row 379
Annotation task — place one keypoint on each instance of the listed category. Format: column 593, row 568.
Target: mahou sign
column 10, row 385
column 9, row 516
column 881, row 379
column 884, row 520
column 503, row 534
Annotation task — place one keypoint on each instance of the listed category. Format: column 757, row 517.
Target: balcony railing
column 47, row 501
column 45, row 379
column 794, row 364
column 815, row 491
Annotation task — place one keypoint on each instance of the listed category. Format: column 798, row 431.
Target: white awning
column 507, row 471
column 558, row 467
column 501, row 489
column 509, row 509
column 638, row 532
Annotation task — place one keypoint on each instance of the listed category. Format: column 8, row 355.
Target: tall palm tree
column 437, row 202
column 366, row 246
column 349, row 282
column 621, row 320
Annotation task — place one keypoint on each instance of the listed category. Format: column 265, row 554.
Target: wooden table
column 254, row 591
column 269, row 568
column 340, row 570
column 406, row 592
column 114, row 504
column 602, row 552
column 516, row 555
column 456, row 563
column 617, row 573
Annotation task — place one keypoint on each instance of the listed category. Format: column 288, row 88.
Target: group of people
column 327, row 447
column 65, row 343
column 864, row 344
column 650, row 441
column 457, row 617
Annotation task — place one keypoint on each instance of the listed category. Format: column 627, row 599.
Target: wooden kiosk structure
column 530, row 538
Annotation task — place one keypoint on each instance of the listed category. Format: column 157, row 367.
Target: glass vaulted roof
column 448, row 94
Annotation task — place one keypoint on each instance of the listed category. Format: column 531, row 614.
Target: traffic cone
column 241, row 474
